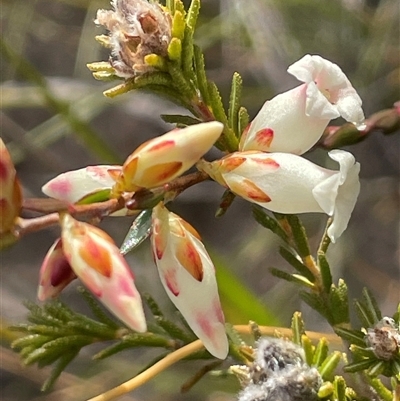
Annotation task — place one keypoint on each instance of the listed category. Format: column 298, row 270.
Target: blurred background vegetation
column 54, row 118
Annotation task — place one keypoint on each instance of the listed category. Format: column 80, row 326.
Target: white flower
column 137, row 28
column 293, row 121
column 166, row 157
column 287, row 183
column 97, row 261
column 75, row 185
column 188, row 276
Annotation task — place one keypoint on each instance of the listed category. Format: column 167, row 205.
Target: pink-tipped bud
column 188, row 276
column 97, row 261
column 55, row 273
column 10, row 191
column 75, row 185
column 166, row 157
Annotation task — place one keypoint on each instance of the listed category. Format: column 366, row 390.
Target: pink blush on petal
column 60, row 187
column 171, row 281
column 126, row 287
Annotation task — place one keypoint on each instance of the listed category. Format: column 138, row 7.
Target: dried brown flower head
column 137, row 28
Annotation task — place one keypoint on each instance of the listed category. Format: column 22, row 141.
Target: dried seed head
column 279, row 373
column 137, row 28
column 384, row 339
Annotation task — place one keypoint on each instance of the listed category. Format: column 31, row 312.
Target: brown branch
column 385, row 122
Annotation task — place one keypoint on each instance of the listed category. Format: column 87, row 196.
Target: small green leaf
column 377, row 368
column 361, row 352
column 138, row 232
column 188, row 55
column 234, row 102
column 352, row 336
column 296, row 263
column 244, row 120
column 99, row 196
column 216, row 104
column 359, row 365
column 268, row 222
column 339, row 303
column 233, row 335
column 201, row 74
column 31, row 340
column 329, row 365
column 179, row 82
column 175, row 50
column 384, row 393
column 315, row 301
column 178, row 25
column 299, row 235
column 159, row 62
column 226, row 201
column 152, row 304
column 298, row 329
column 339, row 385
column 62, row 363
column 321, row 352
column 179, row 6
column 325, row 390
column 172, row 329
column 371, row 305
column 293, row 278
column 363, row 314
column 154, row 78
column 120, row 89
column 180, row 119
column 193, row 13
column 325, row 272
column 308, row 349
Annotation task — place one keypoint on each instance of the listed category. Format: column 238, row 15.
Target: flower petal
column 97, row 261
column 74, row 185
column 188, row 276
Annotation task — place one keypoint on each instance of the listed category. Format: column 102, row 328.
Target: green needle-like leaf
column 315, row 301
column 321, row 352
column 364, row 315
column 175, row 50
column 172, row 329
column 352, row 336
column 234, row 102
column 384, row 393
column 201, row 74
column 152, row 304
column 308, row 349
column 339, row 303
column 179, row 81
column 299, row 235
column 268, row 222
column 296, row 263
column 180, row 120
column 178, row 26
column 291, row 277
column 371, row 305
column 193, row 13
column 59, row 368
column 325, row 270
column 297, row 327
column 244, row 120
column 329, row 365
column 188, row 54
column 339, row 388
column 359, row 365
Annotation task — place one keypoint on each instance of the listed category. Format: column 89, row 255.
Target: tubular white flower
column 188, row 276
column 73, row 186
column 293, row 121
column 168, row 156
column 287, row 183
column 98, row 263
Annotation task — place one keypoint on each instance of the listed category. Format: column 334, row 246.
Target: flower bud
column 10, row 191
column 137, row 28
column 73, row 186
column 97, row 261
column 166, row 157
column 286, row 183
column 188, row 276
column 293, row 121
column 55, row 273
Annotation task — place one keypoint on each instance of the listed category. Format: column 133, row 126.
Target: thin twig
column 189, row 349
